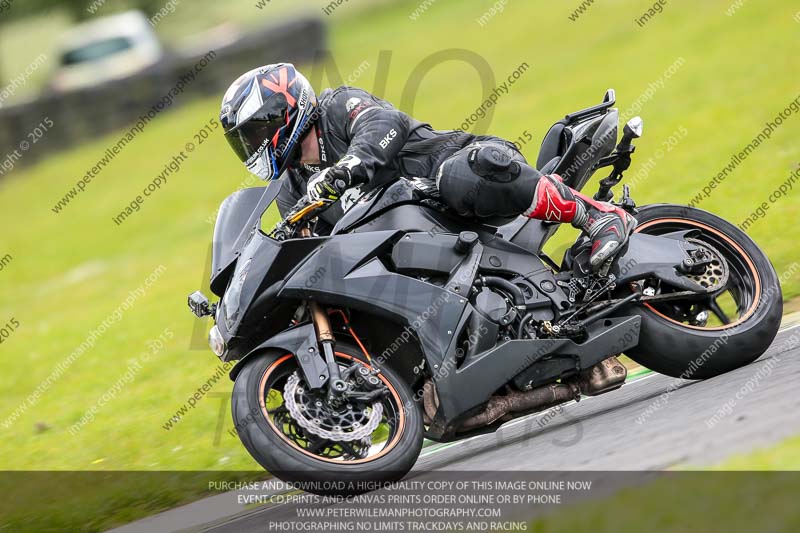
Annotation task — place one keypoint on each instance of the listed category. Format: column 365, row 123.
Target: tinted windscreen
column 96, row 50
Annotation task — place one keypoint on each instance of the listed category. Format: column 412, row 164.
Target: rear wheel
column 698, row 338
column 329, row 448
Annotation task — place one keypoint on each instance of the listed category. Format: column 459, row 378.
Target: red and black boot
column 607, row 226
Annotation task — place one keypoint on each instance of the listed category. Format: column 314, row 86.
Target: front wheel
column 340, row 447
column 731, row 327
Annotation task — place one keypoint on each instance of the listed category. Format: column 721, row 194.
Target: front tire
column 689, row 351
column 289, row 459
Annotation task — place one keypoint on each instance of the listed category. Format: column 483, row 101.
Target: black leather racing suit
column 388, row 144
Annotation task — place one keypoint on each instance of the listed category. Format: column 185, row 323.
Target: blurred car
column 106, row 49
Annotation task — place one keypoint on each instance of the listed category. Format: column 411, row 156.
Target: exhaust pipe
column 521, row 402
column 603, row 377
column 430, row 401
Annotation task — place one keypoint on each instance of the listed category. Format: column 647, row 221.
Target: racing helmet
column 265, row 114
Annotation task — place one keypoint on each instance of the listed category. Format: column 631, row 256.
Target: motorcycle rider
column 345, row 142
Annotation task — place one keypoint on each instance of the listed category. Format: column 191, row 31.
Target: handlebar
column 303, row 211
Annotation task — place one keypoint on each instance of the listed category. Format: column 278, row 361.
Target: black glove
column 329, row 184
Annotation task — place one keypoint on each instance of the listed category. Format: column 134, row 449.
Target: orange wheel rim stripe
column 738, row 248
column 389, row 447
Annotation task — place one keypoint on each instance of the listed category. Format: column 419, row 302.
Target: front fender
column 302, row 342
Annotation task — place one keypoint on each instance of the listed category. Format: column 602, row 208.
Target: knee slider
column 495, row 163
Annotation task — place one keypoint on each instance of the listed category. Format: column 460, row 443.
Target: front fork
column 322, row 324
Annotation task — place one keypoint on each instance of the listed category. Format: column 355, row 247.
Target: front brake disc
column 316, row 417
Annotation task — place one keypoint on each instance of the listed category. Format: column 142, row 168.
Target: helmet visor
column 253, row 136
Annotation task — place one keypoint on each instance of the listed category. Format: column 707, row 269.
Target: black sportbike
column 408, row 322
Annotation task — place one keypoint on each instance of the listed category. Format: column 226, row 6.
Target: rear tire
column 680, row 350
column 319, row 475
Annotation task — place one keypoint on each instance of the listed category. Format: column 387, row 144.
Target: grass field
column 70, row 271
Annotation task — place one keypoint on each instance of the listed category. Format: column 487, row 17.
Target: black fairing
column 268, row 262
column 238, row 218
column 356, row 277
column 386, row 209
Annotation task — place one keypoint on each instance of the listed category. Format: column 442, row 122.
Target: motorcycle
column 408, row 322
